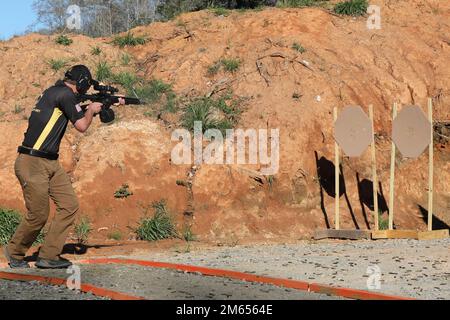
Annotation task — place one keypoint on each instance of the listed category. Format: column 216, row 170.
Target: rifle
column 106, row 96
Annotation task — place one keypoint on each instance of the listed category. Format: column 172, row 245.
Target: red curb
column 293, row 284
column 86, row 288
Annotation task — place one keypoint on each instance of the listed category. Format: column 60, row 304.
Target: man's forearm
column 83, row 124
column 89, row 116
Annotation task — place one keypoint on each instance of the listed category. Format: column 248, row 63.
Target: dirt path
column 418, row 269
column 160, row 284
column 16, row 290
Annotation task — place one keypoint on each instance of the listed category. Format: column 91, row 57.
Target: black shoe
column 53, row 264
column 14, row 263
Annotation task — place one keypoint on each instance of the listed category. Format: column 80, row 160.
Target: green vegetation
column 214, row 68
column 220, row 11
column 126, row 80
column 383, row 224
column 300, row 3
column 115, row 235
column 229, row 65
column 96, row 51
column 352, row 7
column 298, row 47
column 159, row 227
column 123, row 192
column 221, row 114
column 57, row 64
column 270, row 180
column 188, row 234
column 125, row 59
column 64, row 40
column 18, row 109
column 152, row 91
column 9, row 221
column 129, row 40
column 103, row 71
column 83, row 229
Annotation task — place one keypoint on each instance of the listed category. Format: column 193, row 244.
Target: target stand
column 354, row 133
column 412, row 132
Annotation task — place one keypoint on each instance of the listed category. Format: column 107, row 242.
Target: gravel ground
column 161, row 284
column 410, row 268
column 16, row 290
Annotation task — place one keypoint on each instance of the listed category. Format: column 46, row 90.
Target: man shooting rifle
column 41, row 175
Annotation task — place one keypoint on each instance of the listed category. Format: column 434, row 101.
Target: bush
column 9, row 221
column 159, row 227
column 231, row 65
column 206, row 111
column 126, row 80
column 123, row 192
column 64, row 40
column 352, row 7
column 152, row 91
column 128, row 40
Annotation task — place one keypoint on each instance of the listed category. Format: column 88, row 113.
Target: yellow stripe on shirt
column 48, row 128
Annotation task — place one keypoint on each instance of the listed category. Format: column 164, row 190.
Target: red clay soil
column 405, row 62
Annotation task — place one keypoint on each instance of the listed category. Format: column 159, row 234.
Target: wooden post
column 336, row 175
column 374, row 172
column 392, row 176
column 430, row 167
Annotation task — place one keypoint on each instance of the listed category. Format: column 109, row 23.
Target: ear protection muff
column 82, row 77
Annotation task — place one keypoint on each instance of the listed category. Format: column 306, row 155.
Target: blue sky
column 17, row 15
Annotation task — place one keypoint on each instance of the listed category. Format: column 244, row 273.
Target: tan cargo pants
column 41, row 179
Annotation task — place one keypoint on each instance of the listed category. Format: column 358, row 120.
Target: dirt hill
column 345, row 63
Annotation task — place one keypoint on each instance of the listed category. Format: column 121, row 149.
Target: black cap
column 82, row 76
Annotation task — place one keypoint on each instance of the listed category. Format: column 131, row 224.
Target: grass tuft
column 57, row 64
column 82, row 230
column 152, row 91
column 64, row 40
column 96, row 51
column 231, row 65
column 129, row 40
column 212, row 113
column 115, row 235
column 123, row 192
column 159, row 227
column 103, row 71
column 383, row 224
column 298, row 47
column 352, row 7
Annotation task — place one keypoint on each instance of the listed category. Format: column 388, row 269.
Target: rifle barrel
column 112, row 99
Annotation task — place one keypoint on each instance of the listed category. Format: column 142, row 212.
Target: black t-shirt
column 49, row 119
